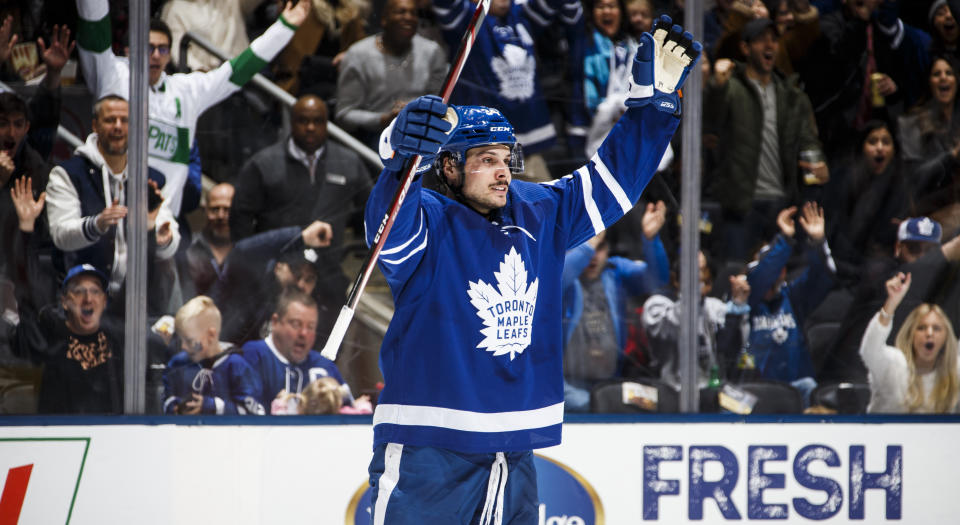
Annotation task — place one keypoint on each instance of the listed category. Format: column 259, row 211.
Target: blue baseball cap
column 82, row 269
column 920, row 229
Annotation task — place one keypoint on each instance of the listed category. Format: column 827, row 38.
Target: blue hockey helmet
column 476, row 126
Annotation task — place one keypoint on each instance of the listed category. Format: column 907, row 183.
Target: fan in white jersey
column 176, row 101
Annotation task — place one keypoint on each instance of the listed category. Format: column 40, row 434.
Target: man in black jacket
column 80, row 350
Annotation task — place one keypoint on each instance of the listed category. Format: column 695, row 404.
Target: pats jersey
column 278, row 373
column 175, row 101
column 472, row 359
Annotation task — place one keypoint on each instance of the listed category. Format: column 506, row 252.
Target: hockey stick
column 332, row 346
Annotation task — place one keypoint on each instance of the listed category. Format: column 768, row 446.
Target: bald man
column 202, row 263
column 300, row 179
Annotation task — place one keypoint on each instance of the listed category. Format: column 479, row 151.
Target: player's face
column 218, row 211
column 295, row 332
column 943, row 82
column 159, row 55
column 486, row 174
column 929, row 338
column 606, row 16
column 13, row 127
column 84, row 301
column 308, row 124
column 761, row 51
column 111, row 126
column 400, row 19
column 878, row 150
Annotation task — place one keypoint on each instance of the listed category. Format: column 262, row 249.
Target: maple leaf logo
column 507, row 310
column 515, row 71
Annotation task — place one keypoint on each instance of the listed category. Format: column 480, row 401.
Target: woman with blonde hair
column 324, row 395
column 920, row 373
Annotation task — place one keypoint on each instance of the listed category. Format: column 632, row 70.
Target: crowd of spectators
column 830, row 191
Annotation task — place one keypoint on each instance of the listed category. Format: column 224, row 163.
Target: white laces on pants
column 493, row 506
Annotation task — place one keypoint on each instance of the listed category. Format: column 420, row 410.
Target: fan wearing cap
column 763, row 121
column 797, row 23
column 918, row 251
column 82, row 356
column 262, row 266
column 921, row 372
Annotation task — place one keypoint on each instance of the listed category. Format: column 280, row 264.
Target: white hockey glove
column 663, row 62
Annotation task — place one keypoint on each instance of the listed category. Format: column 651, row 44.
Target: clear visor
column 516, row 159
column 515, row 162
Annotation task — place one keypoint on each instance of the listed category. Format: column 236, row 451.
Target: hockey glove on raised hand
column 419, row 129
column 663, row 62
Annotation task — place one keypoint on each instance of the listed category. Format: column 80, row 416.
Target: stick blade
column 337, row 334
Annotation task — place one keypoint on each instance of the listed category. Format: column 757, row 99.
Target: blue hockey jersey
column 472, row 360
column 276, row 373
column 227, row 383
column 776, row 326
column 502, row 69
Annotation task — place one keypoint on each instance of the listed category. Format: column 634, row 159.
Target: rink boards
column 609, row 470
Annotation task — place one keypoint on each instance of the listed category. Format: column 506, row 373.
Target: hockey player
column 472, row 360
column 286, row 360
column 208, row 376
column 176, row 101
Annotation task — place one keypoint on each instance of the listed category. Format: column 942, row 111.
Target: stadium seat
column 845, row 398
column 608, row 397
column 774, row 397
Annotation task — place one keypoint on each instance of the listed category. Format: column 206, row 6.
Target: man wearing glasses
column 81, row 352
column 176, row 101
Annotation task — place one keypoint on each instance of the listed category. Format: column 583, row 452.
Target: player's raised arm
column 419, row 129
column 601, row 192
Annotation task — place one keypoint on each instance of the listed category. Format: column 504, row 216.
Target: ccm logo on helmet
column 499, row 128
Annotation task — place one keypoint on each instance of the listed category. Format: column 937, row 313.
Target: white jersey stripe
column 388, row 480
column 409, row 255
column 466, row 420
column 396, row 249
column 588, row 203
column 453, row 23
column 612, row 184
column 535, row 16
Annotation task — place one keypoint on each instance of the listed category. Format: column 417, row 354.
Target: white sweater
column 888, row 373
